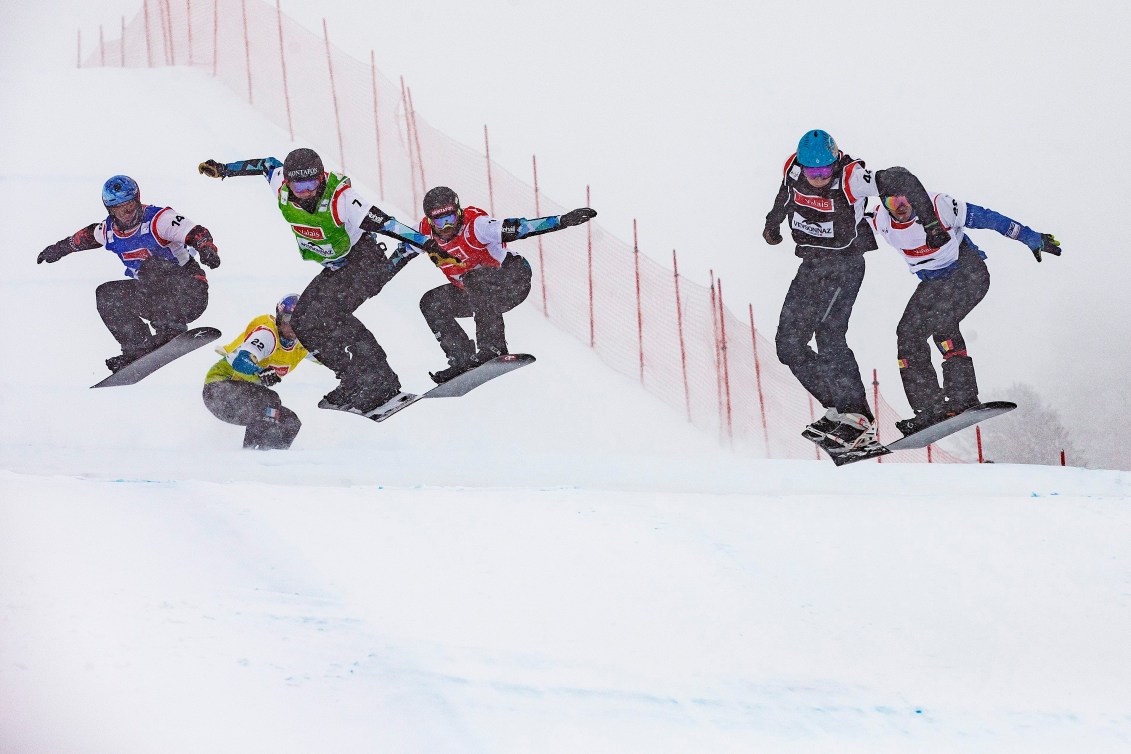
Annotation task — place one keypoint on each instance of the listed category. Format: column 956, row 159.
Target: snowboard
column 841, row 456
column 967, row 418
column 139, row 369
column 457, row 386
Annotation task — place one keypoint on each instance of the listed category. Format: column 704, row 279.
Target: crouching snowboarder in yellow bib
column 237, row 389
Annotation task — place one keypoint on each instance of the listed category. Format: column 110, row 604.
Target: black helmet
column 441, row 207
column 302, row 165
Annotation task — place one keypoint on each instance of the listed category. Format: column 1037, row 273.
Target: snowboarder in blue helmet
column 166, row 288
column 823, row 194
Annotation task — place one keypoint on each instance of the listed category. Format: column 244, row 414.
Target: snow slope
column 556, row 563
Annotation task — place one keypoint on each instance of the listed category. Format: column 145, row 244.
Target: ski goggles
column 304, row 187
column 819, row 174
column 897, row 205
column 444, row 221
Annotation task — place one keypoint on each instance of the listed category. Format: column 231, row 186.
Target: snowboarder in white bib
column 823, row 195
column 953, row 280
column 485, row 279
column 334, row 227
column 166, row 288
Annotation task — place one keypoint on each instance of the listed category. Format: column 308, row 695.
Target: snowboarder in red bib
column 953, row 280
column 485, row 278
column 166, row 287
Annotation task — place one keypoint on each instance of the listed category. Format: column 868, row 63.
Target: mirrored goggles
column 304, row 187
column 897, row 205
column 445, row 221
column 819, row 174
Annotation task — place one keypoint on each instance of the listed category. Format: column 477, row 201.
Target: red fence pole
column 416, row 138
column 334, row 97
column 490, row 184
column 639, row 306
column 1063, row 459
column 408, row 139
column 246, row 50
column 929, row 454
column 188, row 27
column 758, row 383
column 78, row 51
column 101, row 48
column 541, row 260
column 171, row 53
column 215, row 35
column 148, row 34
column 726, row 361
column 589, row 254
column 377, row 127
column 718, row 356
column 283, row 65
column 679, row 326
column 122, row 46
column 978, row 434
column 876, row 404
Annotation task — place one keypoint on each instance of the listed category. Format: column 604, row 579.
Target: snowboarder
column 237, row 389
column 334, row 227
column 485, row 278
column 953, row 279
column 823, row 193
column 159, row 248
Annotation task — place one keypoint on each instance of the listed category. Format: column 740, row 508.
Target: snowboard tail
column 949, row 426
column 145, row 365
column 460, row 385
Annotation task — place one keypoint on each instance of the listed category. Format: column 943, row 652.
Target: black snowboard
column 459, row 385
column 138, row 370
column 967, row 418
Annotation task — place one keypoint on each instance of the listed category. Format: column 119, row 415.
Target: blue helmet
column 118, row 190
column 817, row 149
column 286, row 307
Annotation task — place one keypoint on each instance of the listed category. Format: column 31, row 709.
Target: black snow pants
column 166, row 295
column 270, row 424
column 325, row 323
column 488, row 292
column 935, row 311
column 817, row 306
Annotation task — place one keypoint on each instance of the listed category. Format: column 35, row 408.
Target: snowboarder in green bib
column 335, row 227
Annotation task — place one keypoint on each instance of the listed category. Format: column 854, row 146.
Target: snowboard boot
column 461, row 358
column 371, row 397
column 960, row 384
column 163, row 332
column 819, row 430
column 852, row 432
column 127, row 357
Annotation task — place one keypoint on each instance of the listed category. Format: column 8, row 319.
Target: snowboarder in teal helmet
column 817, row 149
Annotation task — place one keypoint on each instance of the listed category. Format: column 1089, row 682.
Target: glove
column 576, row 217
column 209, row 254
column 1048, row 245
column 437, row 254
column 937, row 237
column 55, row 252
column 213, row 169
column 268, row 377
column 772, row 234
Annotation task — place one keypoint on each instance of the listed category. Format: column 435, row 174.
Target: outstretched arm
column 515, row 228
column 980, row 217
column 257, row 166
column 377, row 221
column 80, row 241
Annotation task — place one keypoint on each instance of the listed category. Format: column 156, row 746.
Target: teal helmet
column 119, row 189
column 817, row 149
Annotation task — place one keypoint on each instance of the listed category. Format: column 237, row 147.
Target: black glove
column 268, row 377
column 213, row 169
column 209, row 254
column 1049, row 245
column 55, row 251
column 576, row 217
column 937, row 237
column 772, row 234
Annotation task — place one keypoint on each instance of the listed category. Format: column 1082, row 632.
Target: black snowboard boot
column 960, row 384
